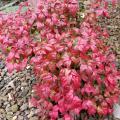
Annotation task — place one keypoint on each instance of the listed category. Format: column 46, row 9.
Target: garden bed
column 16, row 88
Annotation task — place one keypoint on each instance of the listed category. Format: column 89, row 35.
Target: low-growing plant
column 76, row 71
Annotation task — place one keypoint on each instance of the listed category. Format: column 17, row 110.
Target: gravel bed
column 113, row 26
column 15, row 92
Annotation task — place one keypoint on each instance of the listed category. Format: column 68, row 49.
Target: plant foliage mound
column 76, row 71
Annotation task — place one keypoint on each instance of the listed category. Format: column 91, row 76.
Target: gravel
column 113, row 26
column 15, row 92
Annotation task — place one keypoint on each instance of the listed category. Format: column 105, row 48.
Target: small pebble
column 34, row 118
column 24, row 107
column 14, row 118
column 14, row 108
column 20, row 117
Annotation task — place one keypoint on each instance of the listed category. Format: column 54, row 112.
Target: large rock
column 116, row 111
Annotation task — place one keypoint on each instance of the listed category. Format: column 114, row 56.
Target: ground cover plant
column 76, row 71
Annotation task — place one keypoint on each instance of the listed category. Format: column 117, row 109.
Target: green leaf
column 8, row 49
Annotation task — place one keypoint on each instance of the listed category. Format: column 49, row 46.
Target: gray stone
column 28, row 77
column 2, row 84
column 14, row 118
column 23, row 84
column 32, row 113
column 25, row 91
column 6, row 78
column 17, row 113
column 20, row 102
column 2, row 111
column 3, row 73
column 20, row 117
column 0, row 78
column 9, row 115
column 24, row 107
column 7, row 109
column 2, row 65
column 34, row 118
column 6, row 91
column 5, row 70
column 12, row 102
column 16, row 78
column 8, row 105
column 27, row 112
column 14, row 108
column 116, row 111
column 18, row 88
column 4, row 98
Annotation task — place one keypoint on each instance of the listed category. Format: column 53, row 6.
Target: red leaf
column 67, row 117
